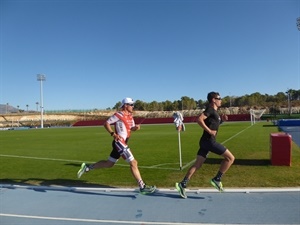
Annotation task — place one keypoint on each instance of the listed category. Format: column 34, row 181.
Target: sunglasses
column 218, row 98
column 130, row 104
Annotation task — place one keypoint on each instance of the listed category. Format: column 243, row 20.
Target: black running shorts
column 210, row 145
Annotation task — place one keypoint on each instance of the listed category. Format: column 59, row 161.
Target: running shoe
column 147, row 189
column 217, row 184
column 82, row 170
column 181, row 190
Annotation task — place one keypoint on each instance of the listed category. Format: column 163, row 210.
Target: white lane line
column 108, row 221
column 99, row 221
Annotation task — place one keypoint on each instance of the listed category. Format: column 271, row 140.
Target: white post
column 42, row 106
column 252, row 117
column 179, row 127
column 41, row 78
column 179, row 148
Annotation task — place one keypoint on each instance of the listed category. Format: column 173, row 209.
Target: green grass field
column 53, row 157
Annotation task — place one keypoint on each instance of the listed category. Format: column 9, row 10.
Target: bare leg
column 225, row 165
column 197, row 165
column 103, row 164
column 100, row 164
column 135, row 170
column 227, row 161
column 107, row 164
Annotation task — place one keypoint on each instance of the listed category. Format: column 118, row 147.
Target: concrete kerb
column 200, row 190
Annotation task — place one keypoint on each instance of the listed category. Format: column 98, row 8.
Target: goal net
column 256, row 115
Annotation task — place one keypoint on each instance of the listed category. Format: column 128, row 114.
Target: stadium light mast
column 41, row 78
column 289, row 101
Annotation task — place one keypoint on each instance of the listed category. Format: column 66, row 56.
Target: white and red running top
column 123, row 124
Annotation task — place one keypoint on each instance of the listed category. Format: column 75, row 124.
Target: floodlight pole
column 289, row 102
column 41, row 78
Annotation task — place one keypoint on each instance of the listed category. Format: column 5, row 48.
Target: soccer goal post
column 256, row 114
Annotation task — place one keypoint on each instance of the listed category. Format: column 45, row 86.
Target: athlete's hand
column 213, row 133
column 116, row 137
column 136, row 127
column 224, row 117
column 179, row 128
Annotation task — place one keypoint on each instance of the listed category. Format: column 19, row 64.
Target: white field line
column 236, row 135
column 158, row 166
column 76, row 161
column 40, row 158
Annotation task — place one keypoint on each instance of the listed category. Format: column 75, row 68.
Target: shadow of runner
column 50, row 182
column 245, row 162
column 158, row 193
column 45, row 189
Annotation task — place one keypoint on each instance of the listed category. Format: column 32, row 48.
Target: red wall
column 239, row 117
column 191, row 119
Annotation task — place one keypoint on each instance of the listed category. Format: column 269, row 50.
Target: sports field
column 53, row 156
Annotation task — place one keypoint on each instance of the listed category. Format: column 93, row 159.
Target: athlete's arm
column 202, row 124
column 107, row 126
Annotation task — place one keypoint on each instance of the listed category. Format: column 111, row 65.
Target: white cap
column 127, row 101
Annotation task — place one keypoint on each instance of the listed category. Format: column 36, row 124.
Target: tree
column 253, row 100
column 168, row 106
column 140, row 105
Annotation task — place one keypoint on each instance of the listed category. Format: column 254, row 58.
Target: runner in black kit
column 209, row 120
